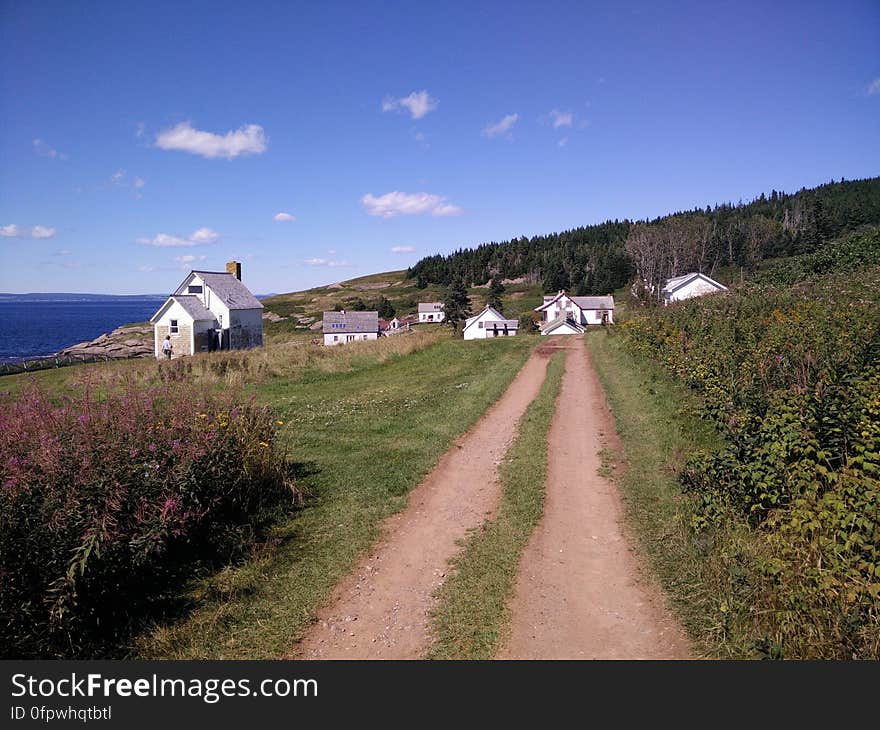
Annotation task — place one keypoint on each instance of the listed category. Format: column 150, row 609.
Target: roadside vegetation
column 472, row 616
column 111, row 496
column 788, row 504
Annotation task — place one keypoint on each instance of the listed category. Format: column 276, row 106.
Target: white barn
column 689, row 286
column 431, row 312
column 210, row 310
column 342, row 327
column 489, row 323
column 563, row 314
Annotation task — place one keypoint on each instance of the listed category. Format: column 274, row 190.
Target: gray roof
column 350, row 322
column 193, row 307
column 594, row 302
column 230, row 290
column 430, row 307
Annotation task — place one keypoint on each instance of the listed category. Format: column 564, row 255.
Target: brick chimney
column 234, row 268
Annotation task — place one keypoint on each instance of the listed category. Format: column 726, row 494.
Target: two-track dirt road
column 579, row 592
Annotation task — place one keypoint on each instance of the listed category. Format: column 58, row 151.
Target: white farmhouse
column 210, row 310
column 342, row 327
column 489, row 323
column 688, row 286
column 431, row 312
column 563, row 314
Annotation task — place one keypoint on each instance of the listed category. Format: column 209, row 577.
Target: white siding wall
column 475, row 332
column 246, row 328
column 431, row 316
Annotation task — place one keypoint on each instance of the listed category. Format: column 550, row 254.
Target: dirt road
column 579, row 592
column 381, row 610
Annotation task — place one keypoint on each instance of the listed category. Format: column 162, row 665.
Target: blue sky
column 139, row 140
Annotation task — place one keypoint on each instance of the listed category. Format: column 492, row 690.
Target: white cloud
column 42, row 232
column 396, row 203
column 325, row 262
column 204, row 235
column 418, row 103
column 874, row 87
column 200, row 237
column 189, row 258
column 14, row 231
column 138, row 182
column 147, row 269
column 283, row 217
column 247, row 140
column 140, row 129
column 562, row 142
column 63, row 252
column 403, row 249
column 117, row 177
column 331, row 251
column 42, row 149
column 560, row 119
column 501, row 127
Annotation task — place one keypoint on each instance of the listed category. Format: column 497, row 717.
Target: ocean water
column 33, row 329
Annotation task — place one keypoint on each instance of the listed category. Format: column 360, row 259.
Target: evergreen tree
column 496, row 289
column 386, row 308
column 457, row 304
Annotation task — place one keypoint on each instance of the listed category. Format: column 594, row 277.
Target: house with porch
column 431, row 312
column 563, row 314
column 210, row 310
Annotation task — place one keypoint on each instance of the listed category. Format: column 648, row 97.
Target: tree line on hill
column 597, row 259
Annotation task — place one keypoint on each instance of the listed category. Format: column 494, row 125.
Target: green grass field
column 472, row 617
column 362, row 438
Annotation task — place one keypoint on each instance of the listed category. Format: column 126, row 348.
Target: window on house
column 173, row 329
column 336, row 338
column 480, row 325
column 194, row 289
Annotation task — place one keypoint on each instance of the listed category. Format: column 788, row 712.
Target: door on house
column 349, row 338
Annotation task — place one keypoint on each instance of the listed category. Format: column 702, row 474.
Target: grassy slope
column 472, row 616
column 364, row 437
column 653, row 418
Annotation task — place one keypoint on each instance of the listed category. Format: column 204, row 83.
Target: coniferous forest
column 598, row 259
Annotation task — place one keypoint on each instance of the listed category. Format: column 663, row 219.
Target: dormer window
column 194, row 289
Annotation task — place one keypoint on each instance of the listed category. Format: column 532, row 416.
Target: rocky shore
column 123, row 342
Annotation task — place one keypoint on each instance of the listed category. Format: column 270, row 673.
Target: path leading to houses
column 579, row 592
column 380, row 611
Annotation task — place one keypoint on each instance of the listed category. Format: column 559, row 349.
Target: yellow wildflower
column 263, row 443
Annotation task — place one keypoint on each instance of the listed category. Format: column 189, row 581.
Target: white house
column 569, row 315
column 431, row 312
column 210, row 310
column 342, row 327
column 489, row 323
column 688, row 286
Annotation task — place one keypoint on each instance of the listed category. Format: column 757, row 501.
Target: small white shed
column 489, row 323
column 689, row 286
